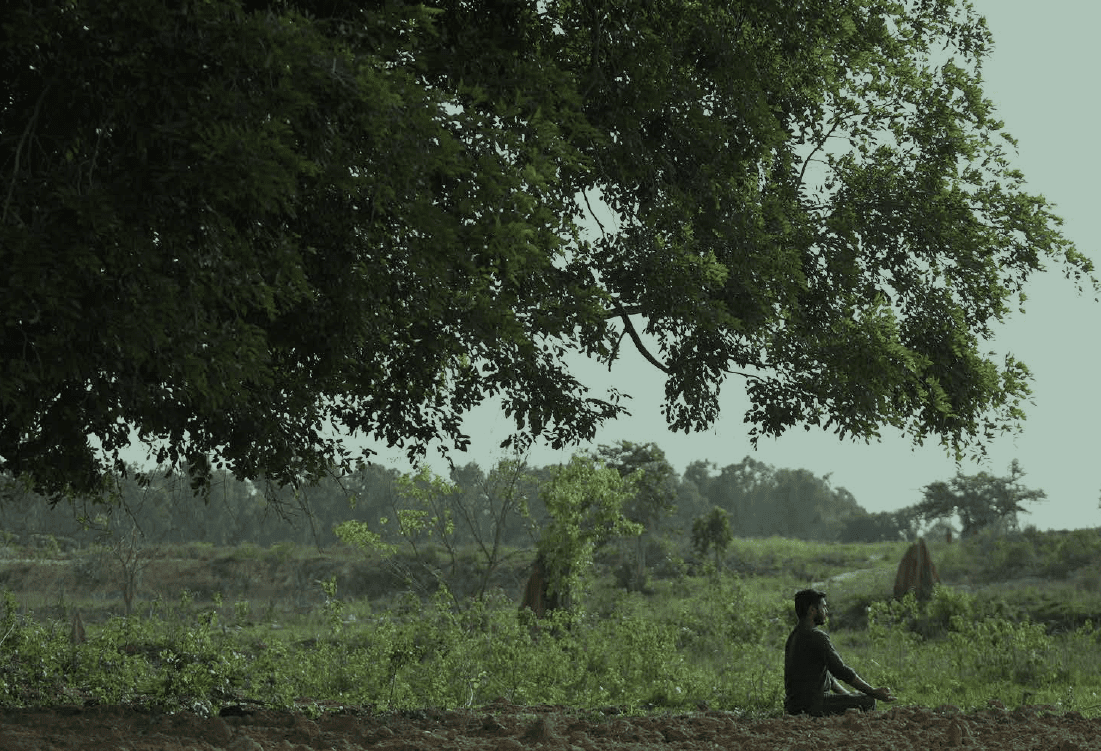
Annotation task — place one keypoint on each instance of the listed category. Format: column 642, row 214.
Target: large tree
column 981, row 501
column 236, row 225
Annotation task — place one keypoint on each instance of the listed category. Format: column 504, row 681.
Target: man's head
column 806, row 599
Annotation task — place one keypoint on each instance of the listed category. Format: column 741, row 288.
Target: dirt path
column 504, row 727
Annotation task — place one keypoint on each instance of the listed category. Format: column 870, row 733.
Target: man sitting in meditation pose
column 812, row 666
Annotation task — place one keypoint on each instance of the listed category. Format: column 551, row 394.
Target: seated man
column 812, row 666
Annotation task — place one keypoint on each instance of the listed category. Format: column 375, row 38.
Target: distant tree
column 699, row 474
column 229, row 226
column 712, row 533
column 371, row 492
column 471, row 511
column 424, row 516
column 764, row 500
column 585, row 501
column 691, row 500
column 22, row 511
column 654, row 490
column 421, row 519
column 980, row 501
column 881, row 526
column 493, row 508
column 133, row 555
column 807, row 507
column 488, row 508
column 137, row 520
column 941, row 529
column 745, row 490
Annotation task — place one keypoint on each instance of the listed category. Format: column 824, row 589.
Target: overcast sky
column 1041, row 77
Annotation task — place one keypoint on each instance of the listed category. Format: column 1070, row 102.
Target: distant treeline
column 502, row 502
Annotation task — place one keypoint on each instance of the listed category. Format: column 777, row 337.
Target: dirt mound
column 916, row 573
column 502, row 726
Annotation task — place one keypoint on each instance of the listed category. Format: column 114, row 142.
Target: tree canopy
column 246, row 227
column 763, row 500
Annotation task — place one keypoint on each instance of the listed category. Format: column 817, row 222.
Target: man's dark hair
column 804, row 599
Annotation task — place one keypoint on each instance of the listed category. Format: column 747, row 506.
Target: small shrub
column 246, row 551
column 943, row 609
column 281, row 552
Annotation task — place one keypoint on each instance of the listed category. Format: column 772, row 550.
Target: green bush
column 33, row 657
column 944, row 608
column 995, row 650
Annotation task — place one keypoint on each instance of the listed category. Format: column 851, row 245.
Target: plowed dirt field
column 505, row 727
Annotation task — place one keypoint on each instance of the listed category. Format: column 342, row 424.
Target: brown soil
column 505, row 727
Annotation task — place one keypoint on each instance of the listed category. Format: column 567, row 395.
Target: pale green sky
column 1042, row 78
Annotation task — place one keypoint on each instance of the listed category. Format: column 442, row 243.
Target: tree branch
column 19, row 150
column 589, row 206
column 631, row 332
column 817, row 147
column 623, row 313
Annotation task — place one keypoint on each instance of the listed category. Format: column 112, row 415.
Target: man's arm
column 837, row 666
column 883, row 693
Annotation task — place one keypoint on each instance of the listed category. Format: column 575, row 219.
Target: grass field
column 714, row 638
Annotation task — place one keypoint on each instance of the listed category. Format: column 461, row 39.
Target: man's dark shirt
column 809, row 660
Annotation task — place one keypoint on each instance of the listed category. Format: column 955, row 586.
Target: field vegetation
column 1012, row 621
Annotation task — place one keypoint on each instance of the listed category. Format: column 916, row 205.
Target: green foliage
column 993, row 555
column 113, row 668
column 232, row 226
column 652, row 483
column 998, row 650
column 947, row 608
column 248, row 551
column 714, row 638
column 627, row 652
column 32, row 657
column 429, row 513
column 585, row 502
column 421, row 517
column 357, row 534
